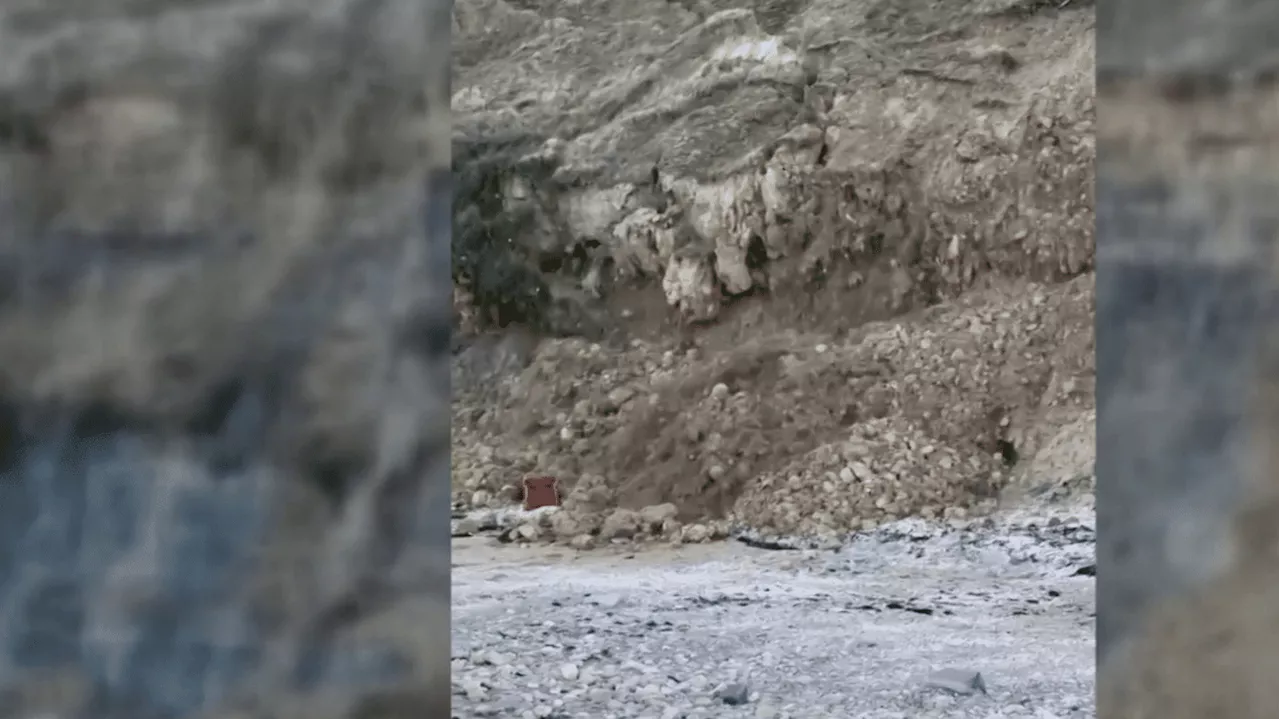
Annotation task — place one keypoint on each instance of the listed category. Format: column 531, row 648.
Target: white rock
column 658, row 513
column 696, row 533
column 957, row 681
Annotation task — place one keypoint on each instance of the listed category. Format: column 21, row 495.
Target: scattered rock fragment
column 734, row 693
column 655, row 516
column 696, row 533
column 564, row 525
column 607, row 601
column 466, row 527
column 957, row 681
column 620, row 524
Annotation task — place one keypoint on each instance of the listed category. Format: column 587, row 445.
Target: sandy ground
column 546, row 632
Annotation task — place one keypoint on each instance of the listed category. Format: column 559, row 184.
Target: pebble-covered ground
column 898, row 623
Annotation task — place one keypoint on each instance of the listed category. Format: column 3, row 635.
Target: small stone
column 821, row 349
column 621, row 524
column 720, row 391
column 528, row 532
column 607, row 601
column 481, row 498
column 497, row 659
column 658, row 514
column 466, row 527
column 957, row 681
column 734, row 693
column 696, row 533
column 569, row 671
column 565, row 525
column 582, row 541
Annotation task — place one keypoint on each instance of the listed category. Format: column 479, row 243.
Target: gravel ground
column 727, row 630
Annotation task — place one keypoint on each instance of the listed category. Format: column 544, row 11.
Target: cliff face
column 882, row 153
column 826, row 262
column 222, row 343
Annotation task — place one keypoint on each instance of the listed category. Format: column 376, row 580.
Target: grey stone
column 607, row 601
column 620, row 524
column 957, row 681
column 466, row 527
column 734, row 693
column 658, row 514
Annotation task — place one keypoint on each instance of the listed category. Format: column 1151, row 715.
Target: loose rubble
column 939, row 415
column 958, row 681
column 973, row 618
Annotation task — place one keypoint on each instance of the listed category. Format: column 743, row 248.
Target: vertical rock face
column 828, row 152
column 224, row 321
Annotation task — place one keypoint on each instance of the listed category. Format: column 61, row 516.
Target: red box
column 541, row 492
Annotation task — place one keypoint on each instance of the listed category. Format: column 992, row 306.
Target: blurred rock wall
column 223, row 327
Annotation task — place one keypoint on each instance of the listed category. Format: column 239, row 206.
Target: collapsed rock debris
column 773, row 298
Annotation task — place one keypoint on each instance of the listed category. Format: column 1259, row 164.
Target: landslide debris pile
column 802, row 434
column 867, row 226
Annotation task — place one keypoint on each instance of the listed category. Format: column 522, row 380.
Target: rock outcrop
column 711, row 153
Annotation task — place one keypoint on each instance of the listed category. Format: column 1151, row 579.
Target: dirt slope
column 827, row 253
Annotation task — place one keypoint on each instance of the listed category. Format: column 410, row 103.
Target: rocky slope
column 827, row 263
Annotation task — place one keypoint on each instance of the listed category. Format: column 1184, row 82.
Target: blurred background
column 224, row 380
